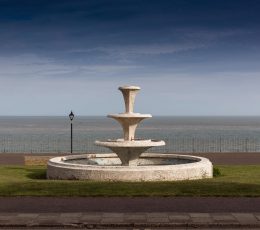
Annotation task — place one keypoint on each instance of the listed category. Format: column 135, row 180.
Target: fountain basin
column 149, row 167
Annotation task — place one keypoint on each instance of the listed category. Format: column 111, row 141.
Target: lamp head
column 71, row 115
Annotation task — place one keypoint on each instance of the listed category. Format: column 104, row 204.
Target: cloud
column 142, row 49
column 31, row 66
column 178, row 41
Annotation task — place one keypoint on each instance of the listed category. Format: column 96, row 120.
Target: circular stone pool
column 149, row 167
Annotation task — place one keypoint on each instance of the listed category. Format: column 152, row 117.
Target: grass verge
column 30, row 181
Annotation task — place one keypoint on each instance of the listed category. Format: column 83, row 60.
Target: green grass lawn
column 30, row 181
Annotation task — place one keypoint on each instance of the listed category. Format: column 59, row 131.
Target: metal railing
column 82, row 144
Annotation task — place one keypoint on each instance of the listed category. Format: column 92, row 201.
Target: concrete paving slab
column 48, row 216
column 245, row 218
column 157, row 215
column 6, row 217
column 90, row 218
column 27, row 215
column 199, row 215
column 257, row 216
column 223, row 218
column 201, row 220
column 180, row 218
column 129, row 217
column 112, row 220
column 112, row 215
column 71, row 215
column 158, row 220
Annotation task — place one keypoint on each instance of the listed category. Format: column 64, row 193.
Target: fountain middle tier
column 129, row 151
column 129, row 122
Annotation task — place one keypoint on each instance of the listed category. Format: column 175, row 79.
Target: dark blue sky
column 190, row 57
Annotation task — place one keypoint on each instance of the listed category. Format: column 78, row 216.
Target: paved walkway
column 131, row 220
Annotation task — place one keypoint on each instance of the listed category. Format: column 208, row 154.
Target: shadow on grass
column 216, row 172
column 36, row 174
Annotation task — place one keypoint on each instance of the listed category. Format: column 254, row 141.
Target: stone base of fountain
column 149, row 167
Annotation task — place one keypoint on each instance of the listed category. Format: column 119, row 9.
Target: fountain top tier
column 129, row 149
column 129, row 120
column 129, row 93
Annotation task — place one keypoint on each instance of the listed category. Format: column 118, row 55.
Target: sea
column 51, row 134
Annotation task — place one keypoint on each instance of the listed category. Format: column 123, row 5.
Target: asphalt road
column 124, row 204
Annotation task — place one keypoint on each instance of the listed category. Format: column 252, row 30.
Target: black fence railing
column 61, row 144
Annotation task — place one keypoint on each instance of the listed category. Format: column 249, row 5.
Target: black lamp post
column 71, row 116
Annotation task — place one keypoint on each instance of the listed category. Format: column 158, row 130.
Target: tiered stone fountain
column 128, row 162
column 129, row 149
